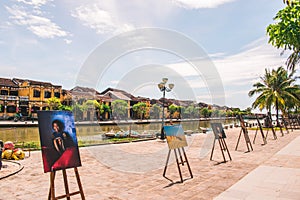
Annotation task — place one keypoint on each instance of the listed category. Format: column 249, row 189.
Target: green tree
column 285, row 32
column 290, row 2
column 104, row 109
column 77, row 110
column 277, row 87
column 54, row 103
column 140, row 109
column 204, row 112
column 215, row 113
column 155, row 111
column 68, row 108
column 92, row 104
column 191, row 111
column 172, row 109
column 119, row 108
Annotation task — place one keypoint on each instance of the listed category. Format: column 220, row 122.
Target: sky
column 212, row 50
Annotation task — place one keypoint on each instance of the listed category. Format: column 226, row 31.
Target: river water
column 94, row 134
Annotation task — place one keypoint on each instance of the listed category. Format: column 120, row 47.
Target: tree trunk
column 277, row 112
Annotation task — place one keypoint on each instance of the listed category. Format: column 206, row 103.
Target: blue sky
column 50, row 40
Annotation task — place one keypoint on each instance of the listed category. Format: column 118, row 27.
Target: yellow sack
column 7, row 154
column 17, row 154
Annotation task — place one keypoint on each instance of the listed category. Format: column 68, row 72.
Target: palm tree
column 277, row 89
column 289, row 2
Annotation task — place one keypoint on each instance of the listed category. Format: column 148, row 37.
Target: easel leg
column 51, row 195
column 187, row 162
column 237, row 144
column 221, row 147
column 66, row 184
column 166, row 166
column 225, row 145
column 178, row 166
column 278, row 123
column 255, row 135
column 79, row 183
column 182, row 162
column 248, row 142
column 274, row 133
column 212, row 150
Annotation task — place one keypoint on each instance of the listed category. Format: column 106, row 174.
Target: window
column 34, row 109
column 13, row 93
column 47, row 94
column 11, row 109
column 57, row 94
column 4, row 92
column 36, row 93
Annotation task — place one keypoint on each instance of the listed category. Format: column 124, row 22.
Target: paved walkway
column 133, row 171
column 277, row 178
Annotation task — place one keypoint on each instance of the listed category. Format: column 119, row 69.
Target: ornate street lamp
column 163, row 88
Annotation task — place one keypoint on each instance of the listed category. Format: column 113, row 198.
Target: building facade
column 25, row 96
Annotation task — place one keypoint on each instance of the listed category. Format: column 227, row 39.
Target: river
column 94, row 134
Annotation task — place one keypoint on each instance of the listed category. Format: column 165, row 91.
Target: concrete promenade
column 134, row 171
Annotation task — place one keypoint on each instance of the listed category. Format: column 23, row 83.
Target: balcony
column 24, row 98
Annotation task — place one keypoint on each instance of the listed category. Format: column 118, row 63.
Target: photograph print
column 218, row 130
column 58, row 140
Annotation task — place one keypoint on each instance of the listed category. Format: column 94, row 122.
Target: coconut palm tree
column 278, row 89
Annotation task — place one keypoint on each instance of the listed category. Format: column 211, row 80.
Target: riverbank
column 11, row 123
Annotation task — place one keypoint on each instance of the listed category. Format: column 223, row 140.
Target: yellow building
column 9, row 98
column 25, row 96
column 34, row 95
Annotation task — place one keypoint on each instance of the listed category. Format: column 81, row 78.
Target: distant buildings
column 29, row 96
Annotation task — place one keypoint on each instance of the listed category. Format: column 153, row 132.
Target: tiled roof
column 33, row 82
column 117, row 95
column 117, row 90
column 7, row 82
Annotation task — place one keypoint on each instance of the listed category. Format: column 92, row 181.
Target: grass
column 36, row 145
column 267, row 129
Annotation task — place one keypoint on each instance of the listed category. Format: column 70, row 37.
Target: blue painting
column 58, row 140
column 175, row 136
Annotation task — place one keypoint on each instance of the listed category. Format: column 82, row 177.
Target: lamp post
column 163, row 88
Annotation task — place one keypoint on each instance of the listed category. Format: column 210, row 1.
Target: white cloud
column 68, row 41
column 197, row 4
column 249, row 64
column 238, row 72
column 239, row 68
column 101, row 20
column 36, row 3
column 39, row 25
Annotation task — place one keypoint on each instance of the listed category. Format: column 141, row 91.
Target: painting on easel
column 58, row 140
column 175, row 136
column 218, row 130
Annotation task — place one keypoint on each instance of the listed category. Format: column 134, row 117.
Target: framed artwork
column 58, row 140
column 218, row 130
column 175, row 136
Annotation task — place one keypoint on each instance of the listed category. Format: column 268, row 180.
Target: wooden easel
column 179, row 162
column 270, row 125
column 261, row 131
column 220, row 136
column 52, row 196
column 176, row 142
column 246, row 136
column 223, row 148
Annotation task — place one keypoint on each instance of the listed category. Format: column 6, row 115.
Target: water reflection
column 93, row 134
